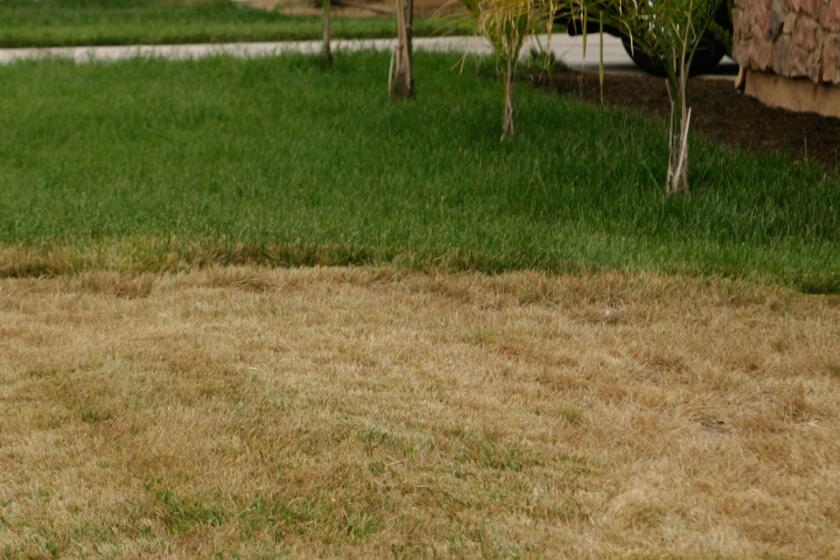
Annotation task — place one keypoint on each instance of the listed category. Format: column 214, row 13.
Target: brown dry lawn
column 251, row 413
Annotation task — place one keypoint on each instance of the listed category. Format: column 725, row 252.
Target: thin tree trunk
column 327, row 47
column 401, row 77
column 677, row 181
column 510, row 82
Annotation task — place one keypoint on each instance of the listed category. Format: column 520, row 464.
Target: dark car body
column 714, row 46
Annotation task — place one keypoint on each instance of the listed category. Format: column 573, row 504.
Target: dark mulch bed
column 718, row 111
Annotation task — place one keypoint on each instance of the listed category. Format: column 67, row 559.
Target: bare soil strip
column 373, row 412
column 718, row 111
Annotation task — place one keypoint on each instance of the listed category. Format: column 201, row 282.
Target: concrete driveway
column 568, row 49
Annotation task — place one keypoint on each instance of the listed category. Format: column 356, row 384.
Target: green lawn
column 32, row 23
column 155, row 164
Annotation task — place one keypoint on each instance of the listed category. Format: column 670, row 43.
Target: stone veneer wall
column 790, row 38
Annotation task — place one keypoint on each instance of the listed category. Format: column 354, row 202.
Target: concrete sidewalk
column 568, row 49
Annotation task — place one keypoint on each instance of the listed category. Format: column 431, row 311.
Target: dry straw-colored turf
column 251, row 413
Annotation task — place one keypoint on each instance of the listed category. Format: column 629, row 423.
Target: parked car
column 715, row 44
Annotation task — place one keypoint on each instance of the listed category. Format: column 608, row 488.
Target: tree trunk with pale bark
column 401, row 76
column 326, row 49
column 510, row 82
column 677, row 179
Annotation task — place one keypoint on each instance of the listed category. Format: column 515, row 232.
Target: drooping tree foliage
column 668, row 31
column 505, row 24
